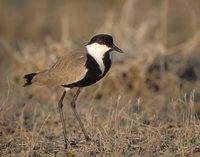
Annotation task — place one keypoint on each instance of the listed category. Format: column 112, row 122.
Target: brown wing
column 68, row 69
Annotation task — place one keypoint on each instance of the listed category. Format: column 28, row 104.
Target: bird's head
column 102, row 43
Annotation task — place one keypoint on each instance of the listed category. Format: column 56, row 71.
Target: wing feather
column 68, row 69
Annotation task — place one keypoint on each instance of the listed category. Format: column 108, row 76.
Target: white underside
column 97, row 51
column 67, row 89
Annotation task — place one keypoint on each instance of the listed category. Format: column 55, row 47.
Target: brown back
column 68, row 69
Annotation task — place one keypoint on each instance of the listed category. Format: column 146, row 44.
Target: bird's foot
column 88, row 139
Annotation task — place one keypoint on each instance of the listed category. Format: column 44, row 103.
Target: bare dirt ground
column 147, row 105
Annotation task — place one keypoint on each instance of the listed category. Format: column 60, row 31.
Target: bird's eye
column 101, row 42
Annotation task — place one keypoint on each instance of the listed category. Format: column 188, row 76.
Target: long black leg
column 60, row 108
column 73, row 105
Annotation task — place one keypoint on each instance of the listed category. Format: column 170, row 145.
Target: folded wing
column 67, row 70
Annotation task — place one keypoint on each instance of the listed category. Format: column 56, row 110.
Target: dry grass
column 148, row 105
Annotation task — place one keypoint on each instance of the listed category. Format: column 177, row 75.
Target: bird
column 77, row 69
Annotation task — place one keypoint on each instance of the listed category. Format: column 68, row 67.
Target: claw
column 87, row 138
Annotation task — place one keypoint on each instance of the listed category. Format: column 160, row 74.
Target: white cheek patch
column 97, row 51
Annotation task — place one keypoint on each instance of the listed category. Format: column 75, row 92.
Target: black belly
column 94, row 73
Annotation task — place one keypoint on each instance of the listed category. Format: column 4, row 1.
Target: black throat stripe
column 94, row 72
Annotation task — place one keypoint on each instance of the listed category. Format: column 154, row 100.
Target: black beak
column 115, row 48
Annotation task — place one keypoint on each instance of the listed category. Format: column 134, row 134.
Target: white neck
column 97, row 51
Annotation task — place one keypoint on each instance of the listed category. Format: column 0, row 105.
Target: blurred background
column 156, row 78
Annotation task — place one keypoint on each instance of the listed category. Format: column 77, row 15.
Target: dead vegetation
column 148, row 105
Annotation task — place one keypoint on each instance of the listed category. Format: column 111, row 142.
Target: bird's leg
column 73, row 106
column 60, row 108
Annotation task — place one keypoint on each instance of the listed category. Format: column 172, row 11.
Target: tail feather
column 29, row 78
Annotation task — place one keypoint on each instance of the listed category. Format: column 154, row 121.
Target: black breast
column 94, row 72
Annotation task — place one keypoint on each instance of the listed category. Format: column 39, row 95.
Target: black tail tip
column 29, row 78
